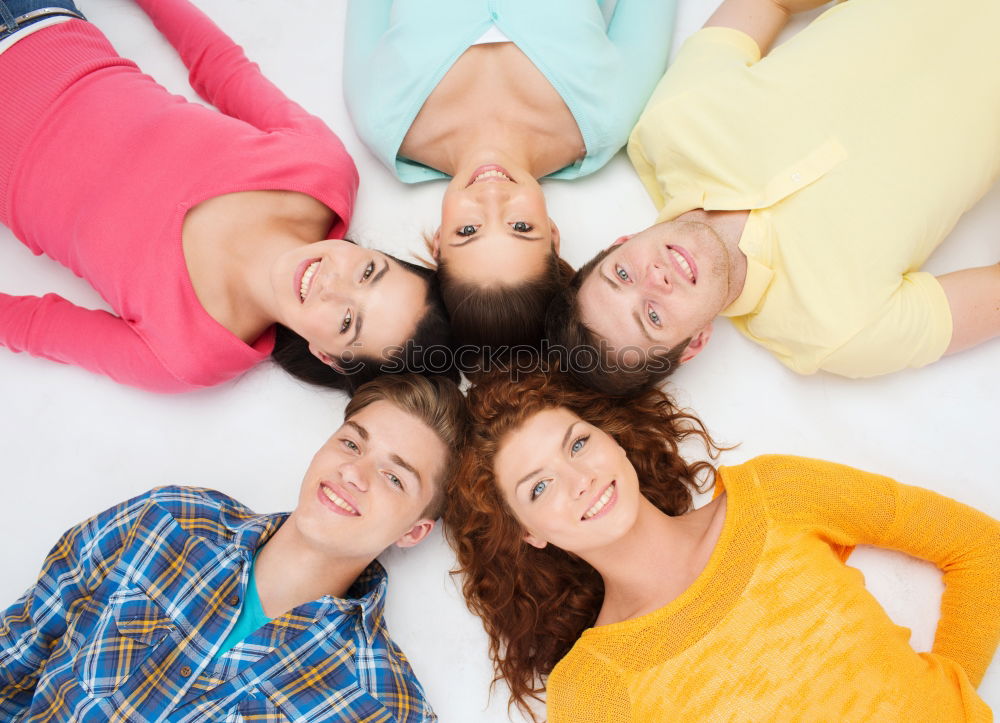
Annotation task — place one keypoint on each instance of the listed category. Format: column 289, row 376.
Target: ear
column 621, row 239
column 420, row 530
column 436, row 244
column 554, row 230
column 325, row 358
column 697, row 343
column 534, row 541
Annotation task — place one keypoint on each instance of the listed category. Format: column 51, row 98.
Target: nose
column 657, row 277
column 355, row 474
column 582, row 481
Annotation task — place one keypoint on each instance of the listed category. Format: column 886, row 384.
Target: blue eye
column 622, row 273
column 394, row 479
column 538, row 489
column 467, row 230
column 578, row 444
column 522, row 227
column 351, row 445
column 653, row 317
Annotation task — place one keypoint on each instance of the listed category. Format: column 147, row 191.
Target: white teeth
column 339, row 501
column 491, row 174
column 684, row 264
column 599, row 505
column 307, row 279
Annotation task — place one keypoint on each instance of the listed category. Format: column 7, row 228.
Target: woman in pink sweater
column 215, row 236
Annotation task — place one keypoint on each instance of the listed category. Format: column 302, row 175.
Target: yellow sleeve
column 912, row 329
column 850, row 507
column 583, row 687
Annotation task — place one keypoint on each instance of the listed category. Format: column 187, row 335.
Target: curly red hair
column 535, row 603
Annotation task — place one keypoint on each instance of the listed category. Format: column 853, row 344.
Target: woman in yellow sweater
column 595, row 578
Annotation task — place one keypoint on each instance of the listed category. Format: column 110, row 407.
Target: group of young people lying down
column 800, row 190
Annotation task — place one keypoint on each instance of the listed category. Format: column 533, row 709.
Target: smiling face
column 368, row 486
column 347, row 301
column 567, row 482
column 494, row 227
column 658, row 288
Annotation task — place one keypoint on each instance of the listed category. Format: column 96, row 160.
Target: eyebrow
column 362, row 432
column 565, row 441
column 609, row 281
column 642, row 327
column 409, row 468
column 361, row 319
column 475, row 237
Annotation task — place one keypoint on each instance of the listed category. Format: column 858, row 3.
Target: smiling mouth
column 685, row 264
column 339, row 501
column 489, row 173
column 307, row 278
column 601, row 503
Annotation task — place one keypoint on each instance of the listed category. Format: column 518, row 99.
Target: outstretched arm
column 974, row 299
column 53, row 328
column 853, row 507
column 221, row 73
column 762, row 20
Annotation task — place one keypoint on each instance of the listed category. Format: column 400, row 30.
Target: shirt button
column 796, row 177
column 185, row 671
column 233, row 600
column 494, row 16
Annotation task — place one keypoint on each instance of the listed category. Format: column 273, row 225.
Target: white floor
column 72, row 443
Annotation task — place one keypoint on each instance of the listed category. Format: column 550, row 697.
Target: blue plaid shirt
column 130, row 606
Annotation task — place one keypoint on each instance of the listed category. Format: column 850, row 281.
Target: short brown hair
column 435, row 401
column 567, row 333
column 502, row 314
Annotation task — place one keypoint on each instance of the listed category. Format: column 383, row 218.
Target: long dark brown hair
column 535, row 603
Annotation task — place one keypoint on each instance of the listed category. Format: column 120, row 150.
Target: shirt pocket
column 130, row 627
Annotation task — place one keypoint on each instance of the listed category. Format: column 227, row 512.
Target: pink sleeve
column 221, row 73
column 53, row 328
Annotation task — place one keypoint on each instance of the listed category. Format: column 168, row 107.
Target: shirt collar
column 757, row 280
column 250, row 533
column 367, row 597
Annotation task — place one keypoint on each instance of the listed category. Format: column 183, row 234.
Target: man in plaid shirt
column 183, row 605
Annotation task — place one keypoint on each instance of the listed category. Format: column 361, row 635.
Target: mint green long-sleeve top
column 603, row 57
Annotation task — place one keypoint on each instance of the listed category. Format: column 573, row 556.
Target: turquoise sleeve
column 642, row 31
column 367, row 21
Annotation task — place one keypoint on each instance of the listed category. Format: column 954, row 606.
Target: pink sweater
column 98, row 167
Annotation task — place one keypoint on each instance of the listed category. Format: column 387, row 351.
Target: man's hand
column 762, row 20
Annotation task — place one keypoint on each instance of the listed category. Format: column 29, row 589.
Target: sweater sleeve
column 221, row 73
column 52, row 328
column 32, row 625
column 642, row 32
column 367, row 21
column 850, row 507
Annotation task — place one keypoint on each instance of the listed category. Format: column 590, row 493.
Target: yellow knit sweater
column 778, row 628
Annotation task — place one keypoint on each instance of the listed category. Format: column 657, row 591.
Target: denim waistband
column 18, row 14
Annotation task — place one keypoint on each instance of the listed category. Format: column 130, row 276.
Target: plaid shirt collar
column 366, row 595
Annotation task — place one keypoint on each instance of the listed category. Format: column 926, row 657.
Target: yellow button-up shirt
column 856, row 146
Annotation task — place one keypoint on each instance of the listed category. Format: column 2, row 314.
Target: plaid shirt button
column 185, row 671
column 233, row 600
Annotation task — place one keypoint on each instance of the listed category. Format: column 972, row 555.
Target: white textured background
column 73, row 443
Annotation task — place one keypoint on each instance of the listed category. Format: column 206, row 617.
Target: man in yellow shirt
column 801, row 192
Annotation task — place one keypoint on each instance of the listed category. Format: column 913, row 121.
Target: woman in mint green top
column 497, row 94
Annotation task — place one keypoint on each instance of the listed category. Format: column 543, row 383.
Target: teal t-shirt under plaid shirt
column 132, row 605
